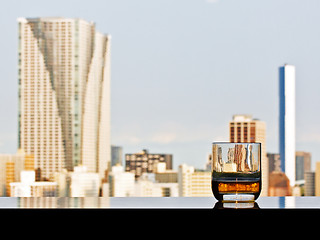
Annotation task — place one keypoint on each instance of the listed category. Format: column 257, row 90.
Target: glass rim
column 259, row 143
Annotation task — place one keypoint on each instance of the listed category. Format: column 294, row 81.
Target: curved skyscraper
column 287, row 121
column 64, row 94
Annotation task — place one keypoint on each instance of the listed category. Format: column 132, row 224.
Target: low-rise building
column 28, row 187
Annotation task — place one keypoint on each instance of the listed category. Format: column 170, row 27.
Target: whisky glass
column 236, row 171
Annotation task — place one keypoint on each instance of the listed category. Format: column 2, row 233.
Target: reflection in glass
column 236, row 205
column 287, row 202
column 236, row 173
column 63, row 202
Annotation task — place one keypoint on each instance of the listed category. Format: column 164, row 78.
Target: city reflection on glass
column 236, row 172
column 157, row 202
column 63, row 202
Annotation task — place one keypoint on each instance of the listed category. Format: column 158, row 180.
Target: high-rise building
column 245, row 129
column 279, row 184
column 116, row 155
column 194, row 183
column 317, row 179
column 64, row 94
column 287, row 121
column 303, row 165
column 145, row 162
column 10, row 167
column 274, row 162
column 309, row 186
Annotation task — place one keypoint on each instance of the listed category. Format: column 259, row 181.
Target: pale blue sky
column 181, row 69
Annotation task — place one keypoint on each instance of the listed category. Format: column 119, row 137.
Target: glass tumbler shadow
column 236, row 171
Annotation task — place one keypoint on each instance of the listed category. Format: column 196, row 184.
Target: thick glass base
column 236, row 205
column 238, row 198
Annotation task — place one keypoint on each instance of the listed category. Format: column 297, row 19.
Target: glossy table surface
column 156, row 202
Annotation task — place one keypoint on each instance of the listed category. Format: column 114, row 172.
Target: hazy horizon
column 181, row 69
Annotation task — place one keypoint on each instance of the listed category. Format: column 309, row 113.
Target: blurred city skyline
column 181, row 69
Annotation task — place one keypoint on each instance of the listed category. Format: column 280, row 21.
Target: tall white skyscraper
column 64, row 94
column 287, row 121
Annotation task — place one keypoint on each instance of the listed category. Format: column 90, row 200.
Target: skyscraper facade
column 145, row 162
column 309, row 186
column 303, row 165
column 287, row 120
column 274, row 162
column 317, row 179
column 64, row 94
column 194, row 183
column 116, row 155
column 245, row 129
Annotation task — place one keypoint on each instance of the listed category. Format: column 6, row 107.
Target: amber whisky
column 243, row 188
